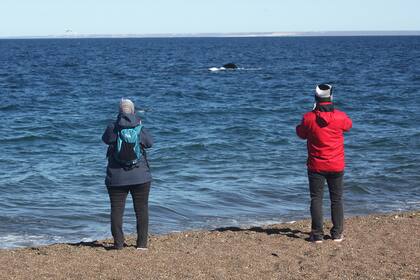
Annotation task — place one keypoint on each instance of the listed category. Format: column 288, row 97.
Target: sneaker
column 338, row 238
column 142, row 248
column 117, row 246
column 316, row 240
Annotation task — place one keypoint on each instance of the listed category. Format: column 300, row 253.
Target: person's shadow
column 97, row 244
column 292, row 233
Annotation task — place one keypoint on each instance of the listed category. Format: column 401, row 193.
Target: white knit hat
column 126, row 106
column 323, row 92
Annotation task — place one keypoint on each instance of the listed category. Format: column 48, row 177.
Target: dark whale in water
column 230, row 66
column 227, row 66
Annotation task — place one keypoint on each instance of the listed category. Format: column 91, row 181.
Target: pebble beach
column 375, row 247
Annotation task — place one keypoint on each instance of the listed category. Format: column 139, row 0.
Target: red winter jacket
column 323, row 128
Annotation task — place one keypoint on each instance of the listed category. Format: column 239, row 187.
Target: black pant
column 118, row 196
column 335, row 187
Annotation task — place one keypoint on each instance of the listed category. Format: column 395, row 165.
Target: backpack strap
column 142, row 149
column 138, row 131
column 138, row 128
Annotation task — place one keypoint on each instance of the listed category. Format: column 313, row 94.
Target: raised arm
column 347, row 123
column 146, row 138
column 301, row 130
column 109, row 137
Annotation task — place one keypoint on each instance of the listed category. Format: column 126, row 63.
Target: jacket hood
column 127, row 120
column 324, row 113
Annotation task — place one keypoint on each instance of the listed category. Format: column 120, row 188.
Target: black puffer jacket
column 117, row 175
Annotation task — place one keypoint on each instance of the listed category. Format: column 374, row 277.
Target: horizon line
column 74, row 35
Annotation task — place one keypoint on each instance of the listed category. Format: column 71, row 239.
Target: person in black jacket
column 122, row 179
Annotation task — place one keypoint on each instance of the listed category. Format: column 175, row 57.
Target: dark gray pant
column 118, row 196
column 335, row 187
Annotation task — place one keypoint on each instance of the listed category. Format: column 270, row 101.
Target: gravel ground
column 375, row 247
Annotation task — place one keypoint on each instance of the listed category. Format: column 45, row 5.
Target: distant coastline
column 223, row 35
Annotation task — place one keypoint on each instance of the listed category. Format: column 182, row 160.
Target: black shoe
column 315, row 239
column 338, row 238
column 118, row 247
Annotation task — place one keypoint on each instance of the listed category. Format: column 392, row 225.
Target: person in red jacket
column 323, row 129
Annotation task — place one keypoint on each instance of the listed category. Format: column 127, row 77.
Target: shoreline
column 271, row 222
column 378, row 246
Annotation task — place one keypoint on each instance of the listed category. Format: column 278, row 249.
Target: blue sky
column 53, row 17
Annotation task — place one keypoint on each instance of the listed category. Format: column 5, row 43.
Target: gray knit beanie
column 126, row 106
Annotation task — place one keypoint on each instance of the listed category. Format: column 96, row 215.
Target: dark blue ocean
column 225, row 151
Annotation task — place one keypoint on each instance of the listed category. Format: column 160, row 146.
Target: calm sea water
column 225, row 147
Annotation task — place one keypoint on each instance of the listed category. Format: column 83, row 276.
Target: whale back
column 230, row 66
